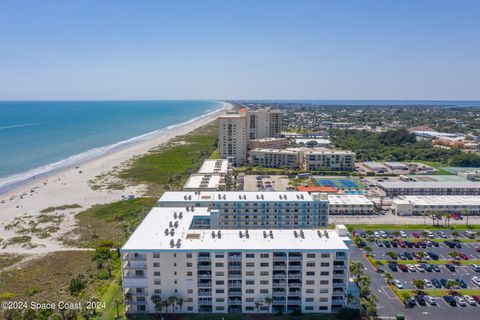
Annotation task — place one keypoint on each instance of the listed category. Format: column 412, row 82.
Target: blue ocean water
column 40, row 136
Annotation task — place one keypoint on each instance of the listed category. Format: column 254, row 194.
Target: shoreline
column 16, row 180
column 70, row 185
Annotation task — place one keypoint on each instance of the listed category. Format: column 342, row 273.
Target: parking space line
column 385, row 290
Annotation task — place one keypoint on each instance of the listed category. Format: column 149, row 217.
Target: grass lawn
column 374, row 227
column 109, row 222
column 437, row 292
column 215, row 154
column 436, row 165
column 169, row 165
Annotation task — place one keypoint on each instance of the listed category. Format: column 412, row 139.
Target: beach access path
column 71, row 187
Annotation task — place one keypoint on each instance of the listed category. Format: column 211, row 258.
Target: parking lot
column 442, row 310
column 265, row 183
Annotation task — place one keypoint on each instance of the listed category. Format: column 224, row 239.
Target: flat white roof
column 268, row 139
column 374, row 165
column 203, row 181
column 439, row 200
column 396, row 164
column 278, row 151
column 348, row 199
column 150, row 235
column 429, row 185
column 214, row 166
column 229, row 196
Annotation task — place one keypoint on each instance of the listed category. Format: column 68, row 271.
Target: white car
column 376, row 234
column 419, row 268
column 476, row 280
column 461, row 301
column 428, row 283
column 411, row 268
column 397, row 284
column 431, row 300
column 470, row 300
column 403, row 234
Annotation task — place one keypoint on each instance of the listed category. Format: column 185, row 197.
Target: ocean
column 38, row 137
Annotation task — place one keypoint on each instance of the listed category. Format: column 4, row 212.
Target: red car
column 463, row 256
column 476, row 298
column 416, row 235
column 403, row 267
column 478, row 249
column 402, row 244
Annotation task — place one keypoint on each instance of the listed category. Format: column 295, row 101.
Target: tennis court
column 342, row 184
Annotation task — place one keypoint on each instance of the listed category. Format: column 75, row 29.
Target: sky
column 240, row 49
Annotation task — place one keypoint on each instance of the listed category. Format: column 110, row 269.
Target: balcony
column 202, row 258
column 204, row 276
column 204, row 267
column 295, row 258
column 204, row 285
column 131, row 257
column 134, row 266
column 294, row 267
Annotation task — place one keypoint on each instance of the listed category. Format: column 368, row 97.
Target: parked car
column 403, row 267
column 416, row 235
column 397, row 284
column 442, row 234
column 444, row 283
column 436, row 283
column 435, row 268
column 403, row 234
column 450, row 300
column 463, row 256
column 411, row 268
column 379, row 243
column 401, row 256
column 408, row 256
column 393, row 266
column 460, row 301
column 450, row 267
column 420, row 299
column 476, row 280
column 470, row 300
column 427, row 267
column 433, row 255
column 477, row 299
column 457, row 244
column 419, row 268
column 410, row 302
column 435, row 243
column 428, row 284
column 431, row 300
column 475, row 267
column 461, row 283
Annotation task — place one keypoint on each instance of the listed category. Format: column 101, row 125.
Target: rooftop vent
column 172, row 232
column 319, row 233
column 240, row 234
column 264, row 233
column 325, row 233
column 213, row 234
column 271, row 234
column 247, row 234
column 175, row 215
column 170, row 224
column 172, row 243
column 180, row 215
column 302, row 234
column 175, row 224
column 179, row 243
column 167, row 232
column 219, row 234
column 295, row 233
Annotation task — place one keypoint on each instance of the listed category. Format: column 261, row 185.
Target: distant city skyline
column 249, row 50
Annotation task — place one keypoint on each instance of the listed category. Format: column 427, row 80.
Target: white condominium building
column 425, row 205
column 253, row 210
column 275, row 158
column 232, row 138
column 325, row 159
column 174, row 252
column 205, row 182
column 264, row 123
column 215, row 166
column 434, row 188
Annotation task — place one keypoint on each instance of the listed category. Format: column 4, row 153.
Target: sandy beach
column 71, row 187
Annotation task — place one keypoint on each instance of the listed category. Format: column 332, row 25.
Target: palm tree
column 171, row 301
column 455, row 235
column 157, row 301
column 268, row 301
column 424, row 234
column 350, row 298
column 466, row 213
column 258, row 304
column 367, row 249
column 389, row 277
column 166, row 304
column 180, row 303
column 392, row 254
column 396, row 234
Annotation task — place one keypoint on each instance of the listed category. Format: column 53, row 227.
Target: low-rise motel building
column 182, row 252
column 433, row 188
column 425, row 205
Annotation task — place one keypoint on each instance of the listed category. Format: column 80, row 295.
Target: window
column 249, row 299
column 325, row 264
column 250, row 273
column 250, row 255
column 219, row 264
column 220, row 291
column 250, row 282
column 310, row 264
column 264, row 291
column 323, row 281
column 190, row 291
column 189, row 264
column 156, row 265
column 310, row 273
column 325, row 255
column 250, row 264
column 323, row 299
column 219, row 255
column 156, row 255
column 264, row 273
column 311, row 255
column 157, row 282
column 264, row 282
column 309, row 299
column 220, row 299
column 324, row 290
column 324, row 273
column 309, row 308
column 157, row 291
column 250, row 291
column 188, row 255
column 310, row 282
column 156, row 273
column 219, row 274
column 264, row 255
column 189, row 273
column 264, row 264
column 310, row 291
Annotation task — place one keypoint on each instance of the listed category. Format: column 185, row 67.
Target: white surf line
column 21, row 125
